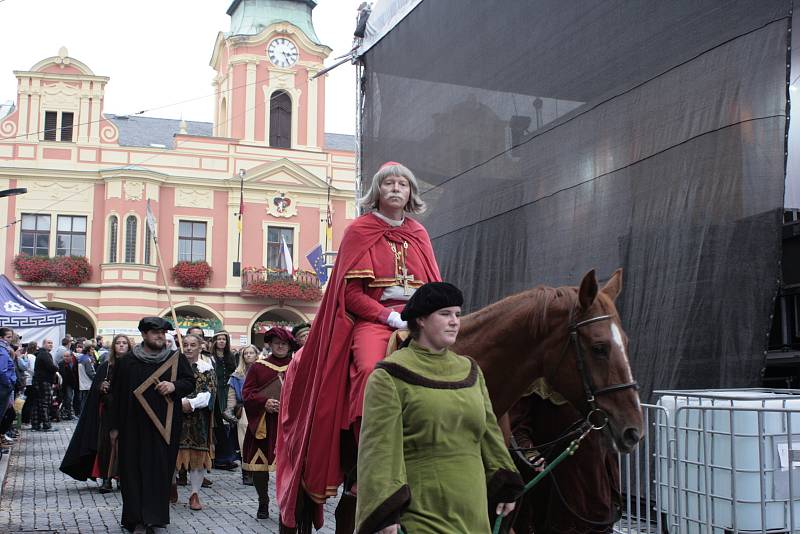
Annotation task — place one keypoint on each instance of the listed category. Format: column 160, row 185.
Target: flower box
column 192, row 274
column 67, row 271
column 280, row 285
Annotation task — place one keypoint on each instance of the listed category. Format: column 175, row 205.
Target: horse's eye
column 600, row 351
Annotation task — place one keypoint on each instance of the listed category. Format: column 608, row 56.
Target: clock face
column 282, row 52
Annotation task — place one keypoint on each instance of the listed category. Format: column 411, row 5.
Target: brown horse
column 570, row 336
column 580, row 496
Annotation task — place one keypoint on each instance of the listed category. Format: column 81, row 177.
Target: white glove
column 395, row 321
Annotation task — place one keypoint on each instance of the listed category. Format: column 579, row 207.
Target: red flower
column 284, row 290
column 70, row 270
column 192, row 274
column 64, row 270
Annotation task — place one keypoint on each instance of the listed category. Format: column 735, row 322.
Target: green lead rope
column 569, row 451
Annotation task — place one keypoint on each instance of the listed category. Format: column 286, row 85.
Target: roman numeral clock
column 282, row 52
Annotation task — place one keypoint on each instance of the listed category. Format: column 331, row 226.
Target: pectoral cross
column 405, row 279
column 400, row 267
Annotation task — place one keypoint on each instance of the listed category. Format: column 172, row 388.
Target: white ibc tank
column 725, row 458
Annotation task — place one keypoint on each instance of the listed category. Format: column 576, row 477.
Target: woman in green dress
column 431, row 455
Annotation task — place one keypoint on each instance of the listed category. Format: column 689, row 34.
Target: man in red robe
column 383, row 257
column 261, row 395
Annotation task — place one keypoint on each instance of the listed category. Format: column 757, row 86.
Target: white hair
column 371, row 200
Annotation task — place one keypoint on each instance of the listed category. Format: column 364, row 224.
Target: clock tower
column 264, row 64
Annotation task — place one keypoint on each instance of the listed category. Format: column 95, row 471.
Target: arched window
column 222, row 126
column 280, row 120
column 148, row 237
column 130, row 239
column 113, row 233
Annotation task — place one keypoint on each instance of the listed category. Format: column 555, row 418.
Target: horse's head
column 597, row 346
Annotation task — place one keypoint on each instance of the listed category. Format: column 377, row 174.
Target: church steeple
column 250, row 17
column 266, row 91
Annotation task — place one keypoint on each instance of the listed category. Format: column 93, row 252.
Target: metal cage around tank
column 716, row 462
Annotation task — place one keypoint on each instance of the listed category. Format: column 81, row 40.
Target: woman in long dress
column 431, row 456
column 234, row 411
column 196, row 443
column 91, row 453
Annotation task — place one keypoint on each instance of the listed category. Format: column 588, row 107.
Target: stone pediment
column 284, row 173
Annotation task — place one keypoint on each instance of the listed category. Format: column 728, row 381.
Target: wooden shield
column 164, row 428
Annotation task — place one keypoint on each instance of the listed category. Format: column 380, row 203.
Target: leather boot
column 182, row 477
column 173, row 493
column 106, row 487
column 194, row 503
column 261, row 482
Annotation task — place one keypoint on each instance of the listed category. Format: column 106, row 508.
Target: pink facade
column 90, row 177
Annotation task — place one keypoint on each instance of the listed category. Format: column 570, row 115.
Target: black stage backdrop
column 554, row 137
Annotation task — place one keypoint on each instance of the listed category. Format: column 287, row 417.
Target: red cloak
column 261, row 384
column 314, row 409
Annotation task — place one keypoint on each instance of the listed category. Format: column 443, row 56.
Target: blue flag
column 317, row 261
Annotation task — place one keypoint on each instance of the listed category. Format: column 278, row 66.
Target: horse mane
column 530, row 307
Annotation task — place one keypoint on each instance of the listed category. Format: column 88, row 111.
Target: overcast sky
column 156, row 52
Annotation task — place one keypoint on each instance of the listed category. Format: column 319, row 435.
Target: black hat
column 154, row 323
column 431, row 297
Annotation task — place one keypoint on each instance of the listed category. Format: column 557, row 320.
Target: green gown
column 430, row 448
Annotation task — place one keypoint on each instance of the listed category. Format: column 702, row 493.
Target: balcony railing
column 280, row 285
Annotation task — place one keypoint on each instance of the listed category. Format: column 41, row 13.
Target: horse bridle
column 590, row 392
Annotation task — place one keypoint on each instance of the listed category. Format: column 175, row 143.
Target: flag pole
column 151, row 224
column 241, row 209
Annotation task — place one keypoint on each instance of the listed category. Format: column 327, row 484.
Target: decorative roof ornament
column 63, row 57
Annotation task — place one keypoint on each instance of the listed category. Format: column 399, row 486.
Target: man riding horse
column 384, row 256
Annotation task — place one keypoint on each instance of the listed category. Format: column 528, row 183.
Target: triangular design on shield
column 165, row 428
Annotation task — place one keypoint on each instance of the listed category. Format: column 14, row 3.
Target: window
column 58, row 126
column 50, row 121
column 130, row 239
column 71, row 236
column 191, row 241
column 34, row 235
column 148, row 237
column 66, row 126
column 280, row 120
column 275, row 237
column 113, row 233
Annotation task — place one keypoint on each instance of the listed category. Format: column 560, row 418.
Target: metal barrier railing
column 715, row 463
column 641, row 496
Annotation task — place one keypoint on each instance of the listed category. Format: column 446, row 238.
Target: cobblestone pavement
column 37, row 497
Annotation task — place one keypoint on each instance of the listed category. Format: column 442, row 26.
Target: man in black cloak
column 146, row 460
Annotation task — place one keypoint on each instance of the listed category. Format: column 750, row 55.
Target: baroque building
column 90, row 177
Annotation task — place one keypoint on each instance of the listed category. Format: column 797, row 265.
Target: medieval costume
column 196, row 443
column 262, row 384
column 146, row 459
column 380, row 263
column 89, row 454
column 430, row 447
column 224, row 365
column 234, row 410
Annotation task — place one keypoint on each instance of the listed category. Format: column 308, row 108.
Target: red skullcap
column 388, row 164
